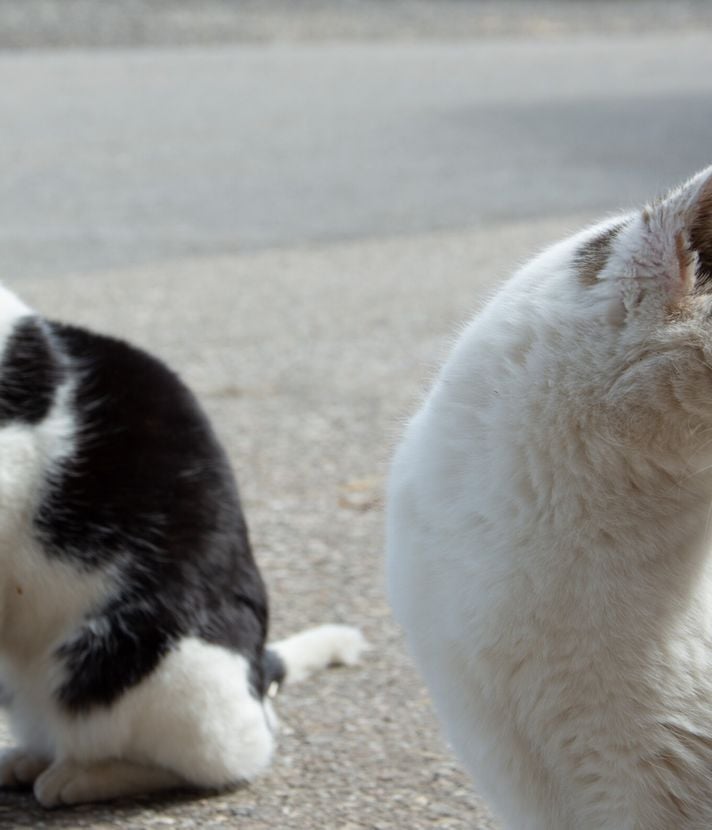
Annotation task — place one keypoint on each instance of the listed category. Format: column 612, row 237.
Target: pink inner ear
column 685, row 261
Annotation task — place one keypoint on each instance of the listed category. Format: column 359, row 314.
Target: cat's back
column 463, row 503
column 144, row 451
column 133, row 398
column 466, row 477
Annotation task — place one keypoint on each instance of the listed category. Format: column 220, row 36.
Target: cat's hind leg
column 68, row 782
column 195, row 721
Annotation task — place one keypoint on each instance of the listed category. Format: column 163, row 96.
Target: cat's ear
column 667, row 247
column 699, row 223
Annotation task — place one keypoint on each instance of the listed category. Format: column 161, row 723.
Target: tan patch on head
column 593, row 255
column 684, row 254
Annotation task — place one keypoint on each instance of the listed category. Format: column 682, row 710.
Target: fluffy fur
column 548, row 530
column 133, row 617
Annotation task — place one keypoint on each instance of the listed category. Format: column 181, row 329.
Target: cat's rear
column 548, row 524
column 133, row 617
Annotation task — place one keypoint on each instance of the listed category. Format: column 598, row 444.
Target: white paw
column 65, row 782
column 20, row 768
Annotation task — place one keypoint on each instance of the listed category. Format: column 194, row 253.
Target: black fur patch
column 29, row 374
column 150, row 490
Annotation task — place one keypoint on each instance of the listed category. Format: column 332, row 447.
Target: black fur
column 29, row 374
column 150, row 490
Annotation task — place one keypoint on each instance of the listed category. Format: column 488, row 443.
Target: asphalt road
column 299, row 229
column 120, row 157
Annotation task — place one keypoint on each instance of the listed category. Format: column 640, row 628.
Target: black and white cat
column 133, row 617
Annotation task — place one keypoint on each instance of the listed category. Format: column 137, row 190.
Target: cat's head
column 641, row 285
column 658, row 260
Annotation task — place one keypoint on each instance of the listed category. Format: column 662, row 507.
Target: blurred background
column 296, row 203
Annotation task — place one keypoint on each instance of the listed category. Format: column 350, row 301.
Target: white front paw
column 20, row 768
column 61, row 783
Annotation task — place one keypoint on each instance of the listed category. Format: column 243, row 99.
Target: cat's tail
column 295, row 658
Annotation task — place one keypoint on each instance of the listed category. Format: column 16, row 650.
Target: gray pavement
column 119, row 157
column 299, row 228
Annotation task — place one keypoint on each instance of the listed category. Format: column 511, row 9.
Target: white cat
column 548, row 530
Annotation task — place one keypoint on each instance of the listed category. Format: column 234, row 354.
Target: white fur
column 69, row 782
column 12, row 309
column 317, row 648
column 193, row 717
column 192, row 721
column 548, row 536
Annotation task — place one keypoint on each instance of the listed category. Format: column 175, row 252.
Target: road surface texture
column 299, row 228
